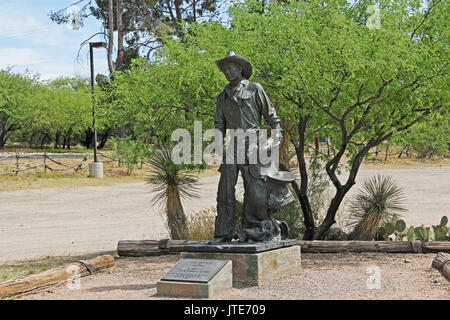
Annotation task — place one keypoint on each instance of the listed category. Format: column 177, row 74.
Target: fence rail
column 45, row 158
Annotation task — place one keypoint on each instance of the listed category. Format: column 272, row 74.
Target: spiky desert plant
column 377, row 203
column 170, row 184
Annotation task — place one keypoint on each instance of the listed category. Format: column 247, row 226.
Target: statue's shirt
column 242, row 107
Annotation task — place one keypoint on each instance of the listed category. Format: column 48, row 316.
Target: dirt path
column 323, row 276
column 80, row 220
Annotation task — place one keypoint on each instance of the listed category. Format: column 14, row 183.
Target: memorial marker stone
column 197, row 278
column 194, row 270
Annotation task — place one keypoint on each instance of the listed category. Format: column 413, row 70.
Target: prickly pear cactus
column 389, row 229
column 427, row 234
column 444, row 221
column 400, row 226
column 440, row 233
column 420, row 233
column 411, row 234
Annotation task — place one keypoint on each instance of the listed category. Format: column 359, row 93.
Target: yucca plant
column 377, row 203
column 170, row 184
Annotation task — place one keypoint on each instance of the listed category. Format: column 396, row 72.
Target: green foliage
column 15, row 102
column 131, row 152
column 28, row 107
column 291, row 214
column 430, row 137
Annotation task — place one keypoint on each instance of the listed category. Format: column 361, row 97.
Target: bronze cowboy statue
column 240, row 106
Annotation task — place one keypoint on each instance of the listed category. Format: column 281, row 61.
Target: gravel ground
column 323, row 276
column 82, row 220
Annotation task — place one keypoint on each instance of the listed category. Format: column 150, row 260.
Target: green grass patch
column 22, row 270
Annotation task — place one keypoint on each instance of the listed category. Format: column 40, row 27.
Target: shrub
column 131, row 152
column 201, row 224
column 376, row 204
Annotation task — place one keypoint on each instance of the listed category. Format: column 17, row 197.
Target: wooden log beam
column 437, row 246
column 442, row 263
column 53, row 277
column 140, row 248
column 374, row 246
column 354, row 246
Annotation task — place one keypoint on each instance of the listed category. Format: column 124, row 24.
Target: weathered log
column 142, row 248
column 437, row 246
column 53, row 277
column 442, row 263
column 373, row 246
column 355, row 246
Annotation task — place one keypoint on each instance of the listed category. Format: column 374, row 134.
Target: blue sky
column 29, row 40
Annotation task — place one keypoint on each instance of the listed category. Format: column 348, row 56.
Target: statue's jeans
column 258, row 223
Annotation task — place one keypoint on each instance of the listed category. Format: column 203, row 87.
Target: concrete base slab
column 220, row 282
column 255, row 269
column 96, row 170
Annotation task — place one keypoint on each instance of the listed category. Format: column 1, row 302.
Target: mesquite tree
column 332, row 69
column 334, row 74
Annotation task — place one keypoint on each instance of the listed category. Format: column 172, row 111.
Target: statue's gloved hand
column 277, row 136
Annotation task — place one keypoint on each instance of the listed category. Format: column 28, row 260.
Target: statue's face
column 232, row 71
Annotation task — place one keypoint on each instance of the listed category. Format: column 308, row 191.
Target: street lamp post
column 95, row 168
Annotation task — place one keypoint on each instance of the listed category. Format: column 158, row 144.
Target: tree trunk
column 120, row 36
column 2, row 140
column 302, row 191
column 43, row 140
column 88, row 138
column 68, row 141
column 401, row 152
column 104, row 138
column 30, row 140
column 176, row 220
column 319, row 232
column 284, row 149
column 57, row 136
column 67, row 138
column 110, row 36
column 6, row 131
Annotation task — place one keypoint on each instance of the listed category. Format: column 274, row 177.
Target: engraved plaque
column 195, row 270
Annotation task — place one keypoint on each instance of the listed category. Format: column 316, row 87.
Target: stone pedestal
column 252, row 269
column 196, row 279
